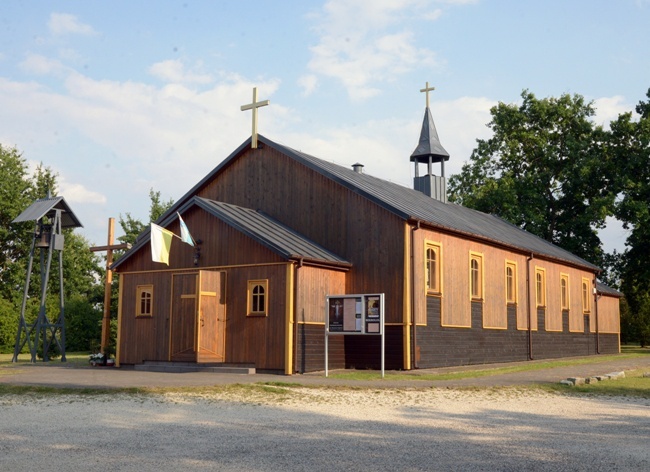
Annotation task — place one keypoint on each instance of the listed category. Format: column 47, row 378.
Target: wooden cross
column 109, row 248
column 254, row 106
column 427, row 89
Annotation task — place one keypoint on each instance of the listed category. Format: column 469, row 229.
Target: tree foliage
column 543, row 170
column 132, row 227
column 548, row 169
column 630, row 144
column 18, row 189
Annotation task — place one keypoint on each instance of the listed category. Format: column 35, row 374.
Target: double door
column 198, row 317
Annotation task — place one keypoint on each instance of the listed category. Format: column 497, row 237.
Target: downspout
column 295, row 304
column 413, row 326
column 530, row 318
column 596, row 313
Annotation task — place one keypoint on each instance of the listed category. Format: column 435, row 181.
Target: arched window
column 540, row 286
column 258, row 297
column 564, row 291
column 475, row 276
column 511, row 296
column 585, row 296
column 432, row 270
column 144, row 300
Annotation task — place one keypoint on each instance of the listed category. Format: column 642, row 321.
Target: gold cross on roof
column 254, row 106
column 427, row 89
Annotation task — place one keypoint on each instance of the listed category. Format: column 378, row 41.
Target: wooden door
column 183, row 332
column 212, row 319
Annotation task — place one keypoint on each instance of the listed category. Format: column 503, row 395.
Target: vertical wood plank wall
column 324, row 211
column 355, row 228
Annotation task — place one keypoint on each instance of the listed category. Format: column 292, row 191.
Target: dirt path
column 314, row 429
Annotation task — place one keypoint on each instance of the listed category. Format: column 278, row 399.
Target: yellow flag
column 161, row 242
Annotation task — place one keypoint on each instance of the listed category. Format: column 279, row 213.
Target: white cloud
column 359, row 45
column 78, row 193
column 308, row 84
column 41, row 65
column 64, row 23
column 608, row 109
column 174, row 71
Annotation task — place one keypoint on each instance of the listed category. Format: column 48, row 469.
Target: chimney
column 358, row 168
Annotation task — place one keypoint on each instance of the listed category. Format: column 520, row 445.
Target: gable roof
column 603, row 289
column 270, row 233
column 258, row 226
column 47, row 207
column 411, row 204
column 408, row 204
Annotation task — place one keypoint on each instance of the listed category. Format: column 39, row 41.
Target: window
column 540, row 286
column 144, row 300
column 585, row 296
column 511, row 282
column 476, row 275
column 432, row 258
column 258, row 297
column 564, row 291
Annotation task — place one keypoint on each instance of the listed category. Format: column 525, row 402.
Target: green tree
column 18, row 190
column 15, row 196
column 132, row 227
column 630, row 145
column 544, row 170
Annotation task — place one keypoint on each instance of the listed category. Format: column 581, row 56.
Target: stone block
column 616, row 375
column 566, row 382
column 576, row 380
column 646, row 375
column 592, row 380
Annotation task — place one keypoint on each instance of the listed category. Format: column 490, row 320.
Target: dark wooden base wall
column 442, row 346
column 347, row 351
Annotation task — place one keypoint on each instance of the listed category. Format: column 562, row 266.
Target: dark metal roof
column 270, row 233
column 47, row 207
column 429, row 144
column 408, row 204
column 607, row 290
column 411, row 204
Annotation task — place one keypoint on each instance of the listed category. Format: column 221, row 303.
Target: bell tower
column 51, row 215
column 430, row 151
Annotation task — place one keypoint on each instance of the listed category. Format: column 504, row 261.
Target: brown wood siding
column 609, row 315
column 455, row 281
column 257, row 340
column 221, row 246
column 325, row 212
column 313, row 285
column 145, row 338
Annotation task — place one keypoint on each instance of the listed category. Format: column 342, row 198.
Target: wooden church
column 278, row 230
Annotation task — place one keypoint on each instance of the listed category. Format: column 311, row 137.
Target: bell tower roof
column 429, row 148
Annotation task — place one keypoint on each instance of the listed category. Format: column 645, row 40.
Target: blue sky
column 120, row 97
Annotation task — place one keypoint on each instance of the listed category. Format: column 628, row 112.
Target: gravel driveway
column 314, row 429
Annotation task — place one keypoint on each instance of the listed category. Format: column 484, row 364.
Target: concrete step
column 183, row 367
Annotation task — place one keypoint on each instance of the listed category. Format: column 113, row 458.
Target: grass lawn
column 627, row 352
column 76, row 359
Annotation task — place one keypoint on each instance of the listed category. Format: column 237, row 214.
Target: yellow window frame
column 565, row 292
column 436, row 248
column 144, row 301
column 540, row 286
column 258, row 297
column 476, row 287
column 512, row 294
